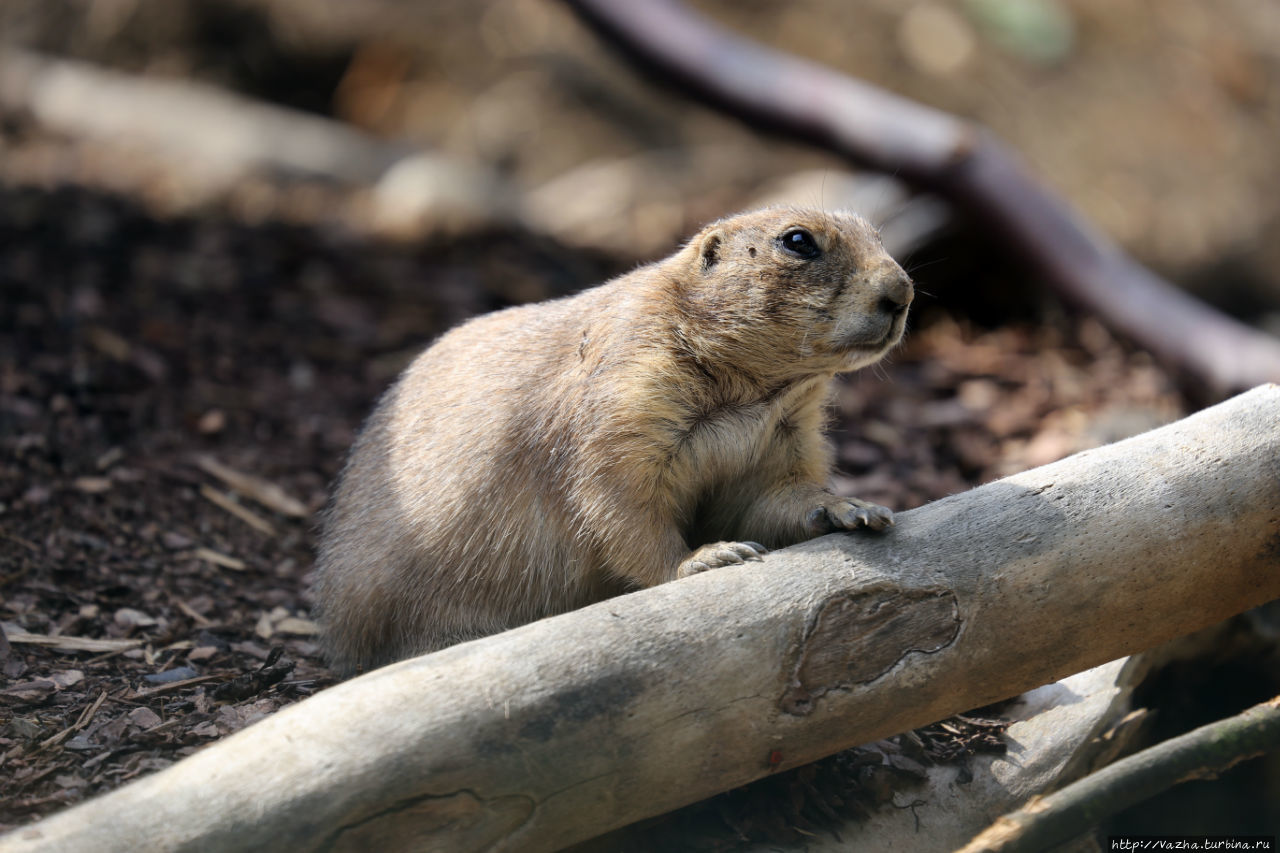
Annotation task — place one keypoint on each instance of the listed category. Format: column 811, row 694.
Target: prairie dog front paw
column 720, row 554
column 838, row 513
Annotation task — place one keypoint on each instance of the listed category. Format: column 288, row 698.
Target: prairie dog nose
column 896, row 291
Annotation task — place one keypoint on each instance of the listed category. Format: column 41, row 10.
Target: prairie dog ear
column 709, row 248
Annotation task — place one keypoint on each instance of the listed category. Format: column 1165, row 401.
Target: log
column 226, row 132
column 1203, row 753
column 557, row 731
column 211, row 139
column 1057, row 733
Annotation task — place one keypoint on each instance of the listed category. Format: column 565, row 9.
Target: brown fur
column 542, row 458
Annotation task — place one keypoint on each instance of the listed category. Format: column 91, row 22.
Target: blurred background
column 1157, row 120
column 226, row 225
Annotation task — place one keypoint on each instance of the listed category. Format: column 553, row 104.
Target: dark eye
column 800, row 243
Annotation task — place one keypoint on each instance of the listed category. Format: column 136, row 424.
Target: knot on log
column 856, row 638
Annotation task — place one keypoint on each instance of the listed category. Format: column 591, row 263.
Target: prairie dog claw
column 720, row 554
column 849, row 514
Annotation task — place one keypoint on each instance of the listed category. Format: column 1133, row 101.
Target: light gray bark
column 563, row 729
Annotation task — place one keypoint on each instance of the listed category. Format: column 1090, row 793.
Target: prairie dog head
column 816, row 287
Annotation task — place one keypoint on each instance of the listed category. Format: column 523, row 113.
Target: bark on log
column 554, row 732
column 940, row 153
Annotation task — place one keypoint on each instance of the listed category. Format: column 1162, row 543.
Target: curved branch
column 939, row 153
column 1199, row 754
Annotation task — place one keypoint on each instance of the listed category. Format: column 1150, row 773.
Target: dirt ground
column 179, row 384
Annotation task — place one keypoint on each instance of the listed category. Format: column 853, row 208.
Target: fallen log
column 560, row 730
column 1203, row 753
column 212, row 139
column 1056, row 734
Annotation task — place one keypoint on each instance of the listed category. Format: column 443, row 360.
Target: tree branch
column 936, row 152
column 1199, row 754
column 558, row 731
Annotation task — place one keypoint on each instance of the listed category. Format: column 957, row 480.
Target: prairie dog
column 545, row 457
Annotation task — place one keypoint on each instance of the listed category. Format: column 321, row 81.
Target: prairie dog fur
column 545, row 457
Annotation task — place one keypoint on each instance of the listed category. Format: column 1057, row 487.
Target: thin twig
column 173, row 685
column 939, row 153
column 193, row 614
column 263, row 491
column 219, row 559
column 86, row 716
column 240, row 511
column 1199, row 754
column 72, row 644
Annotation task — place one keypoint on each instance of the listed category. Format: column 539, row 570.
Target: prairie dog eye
column 800, row 243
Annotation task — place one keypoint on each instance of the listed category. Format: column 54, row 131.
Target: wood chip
column 72, row 644
column 37, row 690
column 129, row 617
column 201, row 654
column 109, row 458
column 67, row 678
column 30, row 692
column 297, row 627
column 243, row 513
column 212, row 421
column 266, row 493
column 195, row 616
column 144, row 718
column 109, row 343
column 85, row 718
column 219, row 559
column 92, row 485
